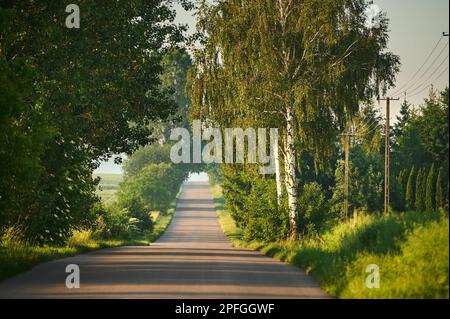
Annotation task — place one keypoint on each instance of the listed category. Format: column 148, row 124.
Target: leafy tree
column 150, row 154
column 367, row 128
column 290, row 64
column 90, row 93
column 266, row 221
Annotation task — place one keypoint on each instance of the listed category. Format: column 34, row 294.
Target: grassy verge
column 16, row 258
column 411, row 250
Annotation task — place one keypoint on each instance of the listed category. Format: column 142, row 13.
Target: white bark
column 279, row 181
column 290, row 178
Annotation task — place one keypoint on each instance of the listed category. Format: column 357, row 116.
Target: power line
column 429, row 85
column 413, row 90
column 425, row 72
column 421, row 67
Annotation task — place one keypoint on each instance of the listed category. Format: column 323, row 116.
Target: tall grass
column 411, row 250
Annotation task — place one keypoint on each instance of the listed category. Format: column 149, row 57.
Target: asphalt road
column 193, row 259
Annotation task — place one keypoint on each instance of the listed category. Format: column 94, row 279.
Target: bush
column 313, row 209
column 266, row 221
column 115, row 222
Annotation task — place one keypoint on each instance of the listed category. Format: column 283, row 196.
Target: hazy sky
column 416, row 26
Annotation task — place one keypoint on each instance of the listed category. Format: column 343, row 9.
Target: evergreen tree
column 402, row 119
column 440, row 200
column 430, row 191
column 410, row 189
column 419, row 203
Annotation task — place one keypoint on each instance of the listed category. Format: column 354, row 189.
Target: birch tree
column 302, row 66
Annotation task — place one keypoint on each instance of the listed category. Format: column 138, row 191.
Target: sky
column 415, row 28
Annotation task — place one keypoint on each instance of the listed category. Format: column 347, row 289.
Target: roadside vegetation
column 16, row 257
column 64, row 109
column 411, row 250
column 313, row 71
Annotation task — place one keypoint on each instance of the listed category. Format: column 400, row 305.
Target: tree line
column 311, row 69
column 71, row 97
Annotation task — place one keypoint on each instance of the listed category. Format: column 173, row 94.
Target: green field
column 109, row 184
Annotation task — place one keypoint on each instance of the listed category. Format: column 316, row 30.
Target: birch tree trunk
column 278, row 178
column 290, row 178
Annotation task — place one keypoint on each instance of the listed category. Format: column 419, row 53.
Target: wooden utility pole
column 387, row 154
column 347, row 137
column 346, row 174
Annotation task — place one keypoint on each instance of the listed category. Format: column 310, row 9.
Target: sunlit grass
column 411, row 250
column 16, row 257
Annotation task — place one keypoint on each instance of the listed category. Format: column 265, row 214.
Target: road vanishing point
column 193, row 259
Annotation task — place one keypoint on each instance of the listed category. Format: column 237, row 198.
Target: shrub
column 313, row 209
column 267, row 221
column 116, row 222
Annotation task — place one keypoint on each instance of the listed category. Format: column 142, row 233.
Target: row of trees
column 151, row 180
column 311, row 69
column 425, row 191
column 301, row 66
column 70, row 97
column 251, row 198
column 151, row 189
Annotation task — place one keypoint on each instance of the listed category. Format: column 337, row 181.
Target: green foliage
column 149, row 154
column 152, row 189
column 266, row 220
column 116, row 222
column 410, row 248
column 251, row 200
column 366, row 182
column 214, row 174
column 314, row 209
column 430, row 194
column 433, row 126
column 440, row 198
column 419, row 203
column 410, row 195
column 419, row 270
column 63, row 105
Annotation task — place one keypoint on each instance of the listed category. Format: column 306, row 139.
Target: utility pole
column 347, row 137
column 346, row 174
column 387, row 154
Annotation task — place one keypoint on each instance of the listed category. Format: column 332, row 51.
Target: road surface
column 193, row 259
